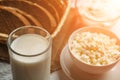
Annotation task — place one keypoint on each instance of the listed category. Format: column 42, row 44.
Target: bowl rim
column 84, row 29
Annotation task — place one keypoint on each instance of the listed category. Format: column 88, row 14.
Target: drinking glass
column 30, row 53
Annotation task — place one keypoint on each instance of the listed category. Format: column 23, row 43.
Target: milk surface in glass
column 30, row 68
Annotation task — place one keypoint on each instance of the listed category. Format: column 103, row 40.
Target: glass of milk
column 30, row 53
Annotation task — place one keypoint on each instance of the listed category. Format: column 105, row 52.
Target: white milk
column 30, row 68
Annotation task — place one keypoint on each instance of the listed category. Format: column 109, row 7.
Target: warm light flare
column 99, row 10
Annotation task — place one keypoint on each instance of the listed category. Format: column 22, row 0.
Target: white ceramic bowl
column 88, row 67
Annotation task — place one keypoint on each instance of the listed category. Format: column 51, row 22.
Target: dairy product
column 30, row 63
column 102, row 12
column 95, row 48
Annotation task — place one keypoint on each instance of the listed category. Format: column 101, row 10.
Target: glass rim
column 35, row 27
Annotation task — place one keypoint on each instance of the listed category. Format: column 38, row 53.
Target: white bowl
column 73, row 72
column 95, row 69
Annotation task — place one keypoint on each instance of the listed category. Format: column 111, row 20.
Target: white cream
column 101, row 12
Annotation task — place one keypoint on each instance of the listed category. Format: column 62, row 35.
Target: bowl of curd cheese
column 94, row 50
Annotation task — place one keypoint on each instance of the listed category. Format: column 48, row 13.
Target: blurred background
column 59, row 17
